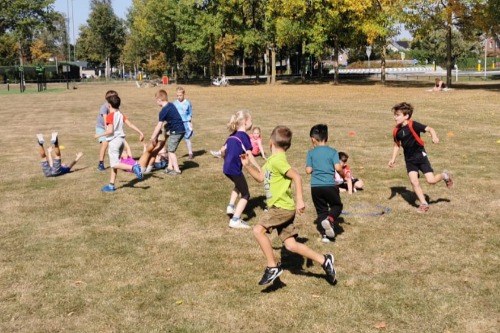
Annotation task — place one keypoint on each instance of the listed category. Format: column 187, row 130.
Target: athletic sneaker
column 108, row 188
column 328, row 226
column 325, row 239
column 422, row 208
column 39, row 136
column 238, row 224
column 101, row 166
column 329, row 268
column 216, row 153
column 136, row 169
column 173, row 173
column 54, row 138
column 449, row 181
column 270, row 274
column 230, row 210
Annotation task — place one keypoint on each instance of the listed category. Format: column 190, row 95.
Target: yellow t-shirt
column 276, row 184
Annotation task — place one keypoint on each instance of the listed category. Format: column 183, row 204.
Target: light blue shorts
column 99, row 130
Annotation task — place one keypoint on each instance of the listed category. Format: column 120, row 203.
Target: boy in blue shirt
column 322, row 162
column 174, row 128
column 277, row 176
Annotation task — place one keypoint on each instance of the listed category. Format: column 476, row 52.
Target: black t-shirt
column 411, row 148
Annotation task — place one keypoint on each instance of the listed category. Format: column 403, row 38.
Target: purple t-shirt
column 236, row 144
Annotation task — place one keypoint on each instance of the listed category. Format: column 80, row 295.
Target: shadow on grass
column 253, row 203
column 189, row 165
column 276, row 285
column 411, row 198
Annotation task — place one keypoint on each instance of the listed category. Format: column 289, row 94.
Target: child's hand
column 300, row 207
column 392, row 163
column 244, row 160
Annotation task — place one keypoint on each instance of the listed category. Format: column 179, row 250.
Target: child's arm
column 156, row 131
column 109, row 131
column 349, row 185
column 255, row 172
column 261, row 148
column 339, row 169
column 49, row 156
column 252, row 159
column 309, row 170
column 77, row 158
column 395, row 151
column 433, row 133
column 132, row 126
column 297, row 181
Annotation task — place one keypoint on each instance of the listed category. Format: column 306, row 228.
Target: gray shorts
column 51, row 171
column 173, row 141
column 115, row 149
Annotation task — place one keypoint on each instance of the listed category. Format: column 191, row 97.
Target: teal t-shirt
column 276, row 184
column 322, row 159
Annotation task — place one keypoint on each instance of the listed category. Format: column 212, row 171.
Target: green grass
column 158, row 256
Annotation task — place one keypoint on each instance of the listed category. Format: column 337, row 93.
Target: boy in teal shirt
column 277, row 176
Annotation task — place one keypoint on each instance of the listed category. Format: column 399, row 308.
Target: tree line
column 212, row 37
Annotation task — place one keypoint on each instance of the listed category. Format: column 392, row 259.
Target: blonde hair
column 181, row 90
column 237, row 120
column 162, row 95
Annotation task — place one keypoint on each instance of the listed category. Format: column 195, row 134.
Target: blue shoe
column 101, row 167
column 108, row 188
column 137, row 170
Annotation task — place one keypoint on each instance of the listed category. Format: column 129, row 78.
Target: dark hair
column 114, row 101
column 343, row 156
column 404, row 108
column 110, row 92
column 282, row 137
column 319, row 132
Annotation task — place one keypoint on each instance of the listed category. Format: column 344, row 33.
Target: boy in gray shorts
column 52, row 167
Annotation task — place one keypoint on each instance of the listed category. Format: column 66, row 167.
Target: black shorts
column 240, row 185
column 419, row 163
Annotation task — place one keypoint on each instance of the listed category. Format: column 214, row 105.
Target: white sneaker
column 216, row 153
column 230, row 210
column 325, row 239
column 327, row 225
column 54, row 138
column 238, row 224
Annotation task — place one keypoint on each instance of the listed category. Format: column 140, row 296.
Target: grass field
column 158, row 256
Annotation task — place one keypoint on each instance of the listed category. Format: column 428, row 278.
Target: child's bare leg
column 172, row 162
column 259, row 233
column 240, row 207
column 42, row 153
column 432, row 178
column 416, row 186
column 102, row 150
column 359, row 184
column 234, row 196
column 112, row 178
column 292, row 245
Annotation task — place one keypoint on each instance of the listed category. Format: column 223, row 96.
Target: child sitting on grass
column 349, row 184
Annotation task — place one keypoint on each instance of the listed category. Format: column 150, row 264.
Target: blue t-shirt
column 169, row 114
column 236, row 144
column 322, row 159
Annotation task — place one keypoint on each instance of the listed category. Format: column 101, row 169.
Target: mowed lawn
column 158, row 256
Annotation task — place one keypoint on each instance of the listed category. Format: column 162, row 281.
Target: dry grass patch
column 158, row 256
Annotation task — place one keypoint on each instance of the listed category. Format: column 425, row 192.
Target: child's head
column 114, row 101
column 256, row 132
column 406, row 109
column 319, row 133
column 343, row 157
column 161, row 96
column 180, row 93
column 281, row 137
column 239, row 119
column 110, row 93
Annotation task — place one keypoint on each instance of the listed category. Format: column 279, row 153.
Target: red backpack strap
column 415, row 135
column 412, row 131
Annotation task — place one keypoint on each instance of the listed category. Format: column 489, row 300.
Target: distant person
column 439, row 85
column 256, row 141
column 278, row 176
column 115, row 135
column 407, row 134
column 349, row 184
column 186, row 111
column 52, row 167
column 322, row 163
column 100, row 128
column 173, row 125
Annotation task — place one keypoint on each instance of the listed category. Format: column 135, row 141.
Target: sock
column 235, row 218
column 112, row 184
column 231, row 205
column 425, row 203
column 149, row 168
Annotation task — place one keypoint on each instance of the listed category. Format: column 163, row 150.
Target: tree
column 23, row 18
column 102, row 39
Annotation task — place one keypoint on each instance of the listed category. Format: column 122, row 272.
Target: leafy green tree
column 22, row 19
column 103, row 37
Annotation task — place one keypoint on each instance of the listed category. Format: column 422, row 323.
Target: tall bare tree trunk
column 448, row 50
column 382, row 62
column 273, row 65
column 336, row 53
